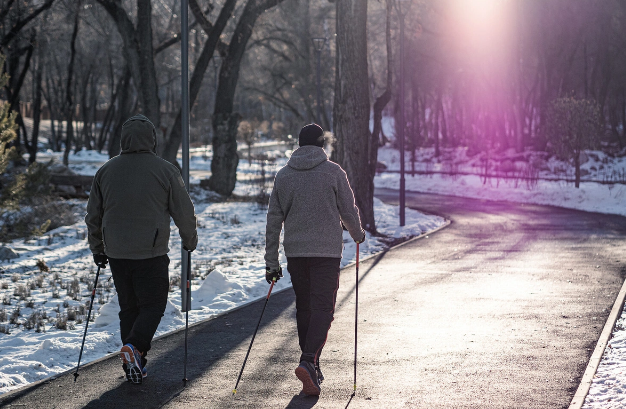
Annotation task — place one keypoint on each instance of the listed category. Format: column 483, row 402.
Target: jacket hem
column 137, row 256
column 329, row 255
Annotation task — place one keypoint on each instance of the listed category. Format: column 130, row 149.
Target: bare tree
column 214, row 33
column 69, row 103
column 352, row 105
column 139, row 53
column 574, row 125
column 225, row 119
column 385, row 97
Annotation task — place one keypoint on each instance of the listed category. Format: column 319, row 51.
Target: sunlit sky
column 482, row 28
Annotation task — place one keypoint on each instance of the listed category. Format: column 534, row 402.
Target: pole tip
column 75, row 376
column 234, row 392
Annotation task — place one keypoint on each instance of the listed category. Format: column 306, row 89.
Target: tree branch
column 5, row 9
column 21, row 23
column 279, row 102
column 207, row 26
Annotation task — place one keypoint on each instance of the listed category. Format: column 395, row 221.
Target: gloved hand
column 273, row 274
column 101, row 260
column 362, row 240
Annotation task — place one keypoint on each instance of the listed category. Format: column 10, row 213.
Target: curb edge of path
column 594, row 362
column 10, row 396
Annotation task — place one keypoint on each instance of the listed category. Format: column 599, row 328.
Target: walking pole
column 254, row 335
column 188, row 290
column 93, row 295
column 356, row 315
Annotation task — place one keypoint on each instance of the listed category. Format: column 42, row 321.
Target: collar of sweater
column 307, row 157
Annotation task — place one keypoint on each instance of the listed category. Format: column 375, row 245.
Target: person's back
column 131, row 200
column 314, row 196
column 137, row 189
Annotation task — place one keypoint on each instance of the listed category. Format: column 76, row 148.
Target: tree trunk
column 225, row 121
column 139, row 53
column 15, row 84
column 444, row 125
column 436, row 125
column 37, row 106
column 415, row 121
column 577, row 165
column 82, row 140
column 47, row 94
column 351, row 106
column 173, row 142
column 69, row 137
column 385, row 97
column 85, row 133
column 109, row 116
column 122, row 113
column 225, row 158
column 68, row 89
column 622, row 136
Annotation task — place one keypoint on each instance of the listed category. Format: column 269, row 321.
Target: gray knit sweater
column 311, row 197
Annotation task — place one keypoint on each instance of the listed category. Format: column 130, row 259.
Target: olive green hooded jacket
column 133, row 196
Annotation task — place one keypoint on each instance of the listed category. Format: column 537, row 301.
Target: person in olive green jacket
column 130, row 204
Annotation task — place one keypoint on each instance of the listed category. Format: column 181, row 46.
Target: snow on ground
column 608, row 389
column 228, row 270
column 591, row 197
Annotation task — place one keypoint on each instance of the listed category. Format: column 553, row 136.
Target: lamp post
column 318, row 45
column 184, row 74
column 401, row 9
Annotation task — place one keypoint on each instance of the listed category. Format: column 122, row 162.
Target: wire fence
column 529, row 176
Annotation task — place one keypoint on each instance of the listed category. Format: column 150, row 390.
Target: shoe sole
column 308, row 386
column 134, row 374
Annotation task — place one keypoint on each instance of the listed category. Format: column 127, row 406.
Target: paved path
column 499, row 310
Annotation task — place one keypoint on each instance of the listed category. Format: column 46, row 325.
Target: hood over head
column 138, row 135
column 307, row 157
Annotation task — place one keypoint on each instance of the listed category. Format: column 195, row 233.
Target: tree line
column 96, row 62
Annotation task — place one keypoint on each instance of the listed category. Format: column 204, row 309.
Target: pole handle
column 270, row 291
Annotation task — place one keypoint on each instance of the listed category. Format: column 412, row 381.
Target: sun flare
column 480, row 23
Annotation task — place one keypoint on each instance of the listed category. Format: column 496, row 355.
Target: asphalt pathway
column 501, row 309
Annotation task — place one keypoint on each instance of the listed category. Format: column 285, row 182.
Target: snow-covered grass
column 228, row 270
column 592, row 197
column 608, row 389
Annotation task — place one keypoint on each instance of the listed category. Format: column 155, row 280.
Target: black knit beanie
column 311, row 134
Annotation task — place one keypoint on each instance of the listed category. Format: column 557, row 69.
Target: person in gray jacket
column 132, row 198
column 311, row 199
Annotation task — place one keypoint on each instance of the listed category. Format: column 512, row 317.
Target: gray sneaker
column 308, row 376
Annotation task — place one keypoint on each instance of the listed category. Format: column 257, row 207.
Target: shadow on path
column 302, row 401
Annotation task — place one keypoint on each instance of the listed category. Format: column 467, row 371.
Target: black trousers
column 142, row 287
column 315, row 281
